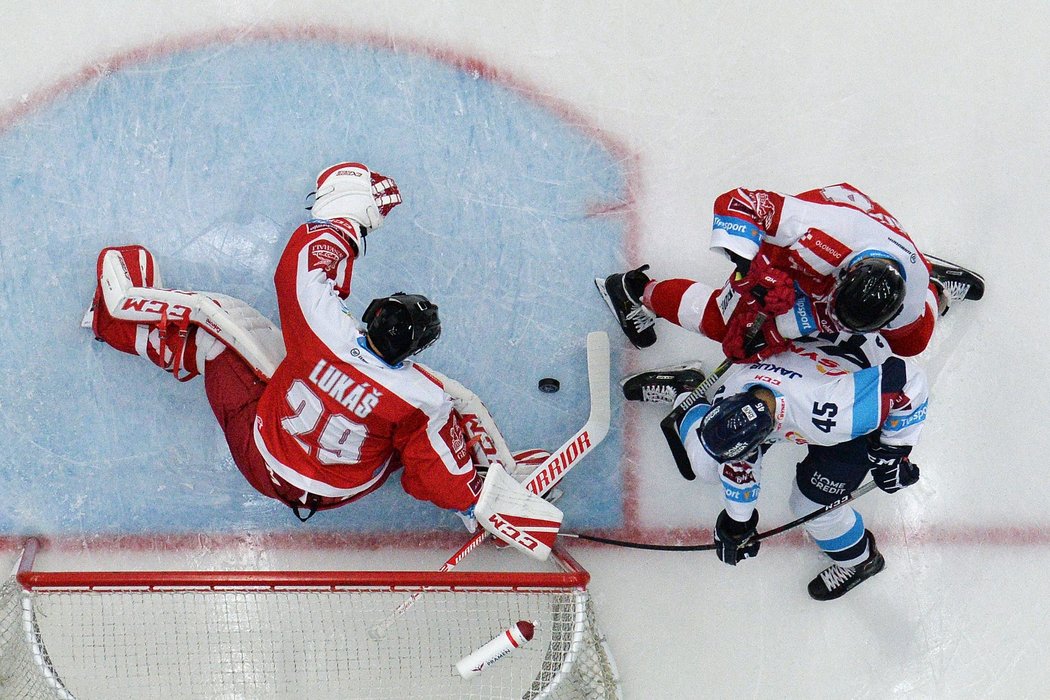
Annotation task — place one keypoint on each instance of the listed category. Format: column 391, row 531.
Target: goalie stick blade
column 548, row 474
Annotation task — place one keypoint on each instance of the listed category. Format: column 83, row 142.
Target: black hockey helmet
column 401, row 325
column 869, row 294
column 735, row 426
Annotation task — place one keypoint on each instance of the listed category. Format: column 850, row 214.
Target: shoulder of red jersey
column 410, row 382
column 327, row 243
column 426, row 373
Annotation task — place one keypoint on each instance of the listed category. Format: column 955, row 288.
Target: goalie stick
column 554, row 468
column 861, row 490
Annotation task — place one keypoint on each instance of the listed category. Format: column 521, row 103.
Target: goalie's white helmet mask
column 344, row 191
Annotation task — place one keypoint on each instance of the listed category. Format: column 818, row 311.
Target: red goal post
column 282, row 634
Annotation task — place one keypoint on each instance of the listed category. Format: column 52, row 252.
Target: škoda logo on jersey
column 549, row 476
column 530, row 533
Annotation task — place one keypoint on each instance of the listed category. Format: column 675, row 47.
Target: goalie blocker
column 515, row 515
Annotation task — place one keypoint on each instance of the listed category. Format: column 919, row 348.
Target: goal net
column 296, row 634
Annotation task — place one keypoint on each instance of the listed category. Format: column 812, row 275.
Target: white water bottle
column 507, row 641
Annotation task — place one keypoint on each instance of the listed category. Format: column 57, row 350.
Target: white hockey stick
column 548, row 474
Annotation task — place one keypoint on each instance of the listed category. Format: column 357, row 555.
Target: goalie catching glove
column 517, row 516
column 352, row 192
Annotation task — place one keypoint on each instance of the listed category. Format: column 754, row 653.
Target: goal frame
column 570, row 578
column 570, row 575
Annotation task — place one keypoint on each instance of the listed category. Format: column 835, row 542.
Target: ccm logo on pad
column 527, row 532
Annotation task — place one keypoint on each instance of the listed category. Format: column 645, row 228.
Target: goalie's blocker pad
column 517, row 516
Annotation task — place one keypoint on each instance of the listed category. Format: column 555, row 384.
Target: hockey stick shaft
column 861, row 490
column 546, row 476
column 554, row 468
column 669, row 423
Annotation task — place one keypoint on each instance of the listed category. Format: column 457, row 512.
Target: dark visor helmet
column 869, row 294
column 735, row 426
column 401, row 325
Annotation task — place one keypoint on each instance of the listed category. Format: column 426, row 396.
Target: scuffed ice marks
column 206, row 157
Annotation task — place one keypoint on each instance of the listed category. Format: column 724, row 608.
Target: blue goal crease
column 206, row 157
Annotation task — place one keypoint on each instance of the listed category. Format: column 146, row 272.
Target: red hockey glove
column 385, row 192
column 814, row 284
column 736, row 345
column 766, row 288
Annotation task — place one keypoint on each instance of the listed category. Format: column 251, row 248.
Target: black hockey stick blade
column 669, row 423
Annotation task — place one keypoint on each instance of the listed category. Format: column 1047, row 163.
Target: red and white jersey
column 816, row 235
column 335, row 418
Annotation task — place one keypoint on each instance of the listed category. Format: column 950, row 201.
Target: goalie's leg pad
column 526, row 462
column 517, row 516
column 170, row 343
column 141, row 269
column 177, row 314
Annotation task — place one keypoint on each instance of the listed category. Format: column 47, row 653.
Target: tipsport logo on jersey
column 898, row 424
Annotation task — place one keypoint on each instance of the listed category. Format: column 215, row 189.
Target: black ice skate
column 834, row 581
column 662, row 385
column 954, row 282
column 623, row 293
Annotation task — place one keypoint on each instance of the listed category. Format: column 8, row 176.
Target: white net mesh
column 285, row 643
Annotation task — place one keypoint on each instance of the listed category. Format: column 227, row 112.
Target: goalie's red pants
column 233, row 391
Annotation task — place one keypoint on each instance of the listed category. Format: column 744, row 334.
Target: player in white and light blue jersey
column 856, row 406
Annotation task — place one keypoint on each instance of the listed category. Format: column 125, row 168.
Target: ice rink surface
column 540, row 144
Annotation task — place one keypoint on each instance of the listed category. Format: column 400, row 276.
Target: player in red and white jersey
column 347, row 407
column 827, row 260
column 323, row 411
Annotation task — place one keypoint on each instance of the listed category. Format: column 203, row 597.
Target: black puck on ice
column 549, row 385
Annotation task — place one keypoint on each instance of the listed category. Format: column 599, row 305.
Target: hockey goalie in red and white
column 322, row 411
column 824, row 261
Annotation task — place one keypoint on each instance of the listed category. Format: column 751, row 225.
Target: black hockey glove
column 890, row 467
column 730, row 536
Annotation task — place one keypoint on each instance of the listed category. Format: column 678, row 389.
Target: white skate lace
column 955, row 291
column 835, row 576
column 658, row 393
column 641, row 317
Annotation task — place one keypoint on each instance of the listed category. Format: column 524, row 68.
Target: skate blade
column 599, row 282
column 89, row 317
